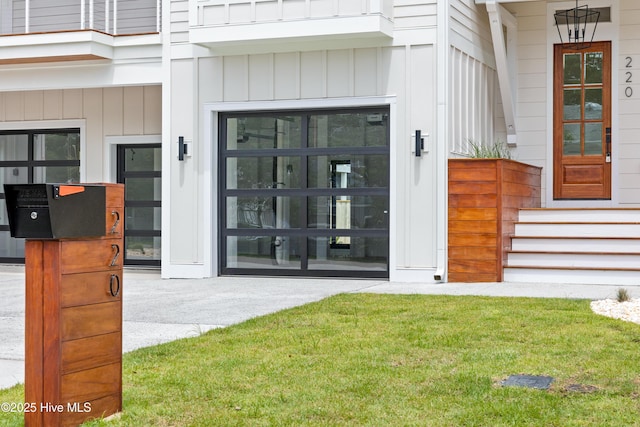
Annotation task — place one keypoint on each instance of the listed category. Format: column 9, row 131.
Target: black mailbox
column 56, row 211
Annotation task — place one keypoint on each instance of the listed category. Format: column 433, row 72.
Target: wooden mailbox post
column 73, row 325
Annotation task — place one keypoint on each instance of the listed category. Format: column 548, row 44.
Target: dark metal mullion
column 143, row 233
column 304, row 205
column 310, row 151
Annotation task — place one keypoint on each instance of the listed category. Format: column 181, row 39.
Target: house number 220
column 628, row 90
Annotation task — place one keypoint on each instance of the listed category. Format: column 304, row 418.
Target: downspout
column 442, row 138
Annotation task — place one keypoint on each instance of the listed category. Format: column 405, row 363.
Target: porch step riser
column 586, row 245
column 598, row 246
column 588, row 277
column 577, row 230
column 586, row 215
column 604, row 261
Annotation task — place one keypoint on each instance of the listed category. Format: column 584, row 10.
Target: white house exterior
column 299, row 119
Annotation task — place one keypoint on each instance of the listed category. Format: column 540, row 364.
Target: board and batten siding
column 628, row 92
column 114, row 111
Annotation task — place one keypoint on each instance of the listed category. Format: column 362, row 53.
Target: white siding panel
column 366, row 70
column 235, row 78
column 113, row 108
column 94, row 113
column 152, row 118
column 261, row 77
column 339, row 73
column 14, row 106
column 287, row 76
column 313, row 74
column 52, row 105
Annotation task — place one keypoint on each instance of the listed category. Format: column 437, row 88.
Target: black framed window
column 139, row 169
column 305, row 192
column 34, row 156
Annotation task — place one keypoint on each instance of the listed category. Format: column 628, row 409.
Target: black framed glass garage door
column 305, row 193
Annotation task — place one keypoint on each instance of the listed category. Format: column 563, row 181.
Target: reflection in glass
column 138, row 159
column 571, row 139
column 263, row 212
column 143, row 248
column 14, row 147
column 593, row 65
column 593, row 139
column 264, row 132
column 263, row 172
column 366, row 171
column 348, row 130
column 143, row 189
column 143, row 218
column 572, row 103
column 362, row 254
column 593, row 104
column 61, row 174
column 364, row 212
column 572, row 68
column 11, row 247
column 271, row 252
column 56, row 146
column 11, row 175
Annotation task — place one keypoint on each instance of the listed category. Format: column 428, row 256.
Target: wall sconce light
column 182, row 148
column 419, row 143
column 575, row 20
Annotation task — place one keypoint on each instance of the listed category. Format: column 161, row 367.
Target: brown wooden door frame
column 580, row 176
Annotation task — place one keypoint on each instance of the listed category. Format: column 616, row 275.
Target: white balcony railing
column 108, row 16
column 230, row 23
column 225, row 12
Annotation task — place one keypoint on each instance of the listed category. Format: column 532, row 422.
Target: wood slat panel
column 83, row 386
column 90, row 352
column 91, row 255
column 88, row 288
column 90, row 320
column 106, row 405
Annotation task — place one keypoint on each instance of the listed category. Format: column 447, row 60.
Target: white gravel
column 628, row 310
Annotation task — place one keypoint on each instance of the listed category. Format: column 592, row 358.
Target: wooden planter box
column 484, row 198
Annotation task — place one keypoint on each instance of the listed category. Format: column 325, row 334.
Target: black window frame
column 304, row 152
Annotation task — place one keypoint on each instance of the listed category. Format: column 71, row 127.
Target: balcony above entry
column 229, row 25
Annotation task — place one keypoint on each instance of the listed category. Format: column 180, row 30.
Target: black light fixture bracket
column 182, row 148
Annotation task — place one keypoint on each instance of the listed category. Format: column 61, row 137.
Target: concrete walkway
column 157, row 310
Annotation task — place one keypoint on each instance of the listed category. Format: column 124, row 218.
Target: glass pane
column 593, row 104
column 143, row 218
column 11, row 175
column 348, row 130
column 571, row 139
column 593, row 139
column 363, row 171
column 14, row 147
column 572, row 103
column 266, row 132
column 272, row 252
column 62, row 174
column 263, row 212
column 143, row 248
column 10, row 247
column 56, row 146
column 593, row 67
column 347, row 212
column 263, row 172
column 361, row 254
column 572, row 68
column 143, row 159
column 143, row 189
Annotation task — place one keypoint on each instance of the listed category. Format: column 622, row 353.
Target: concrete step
column 572, row 276
column 574, row 244
column 580, row 215
column 609, row 261
column 569, row 229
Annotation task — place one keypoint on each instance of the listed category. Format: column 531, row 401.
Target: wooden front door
column 582, row 122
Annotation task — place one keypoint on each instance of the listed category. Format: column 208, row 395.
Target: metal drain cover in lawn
column 530, row 381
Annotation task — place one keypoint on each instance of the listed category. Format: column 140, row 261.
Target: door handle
column 608, row 141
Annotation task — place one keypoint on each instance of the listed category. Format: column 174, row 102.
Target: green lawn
column 390, row 360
